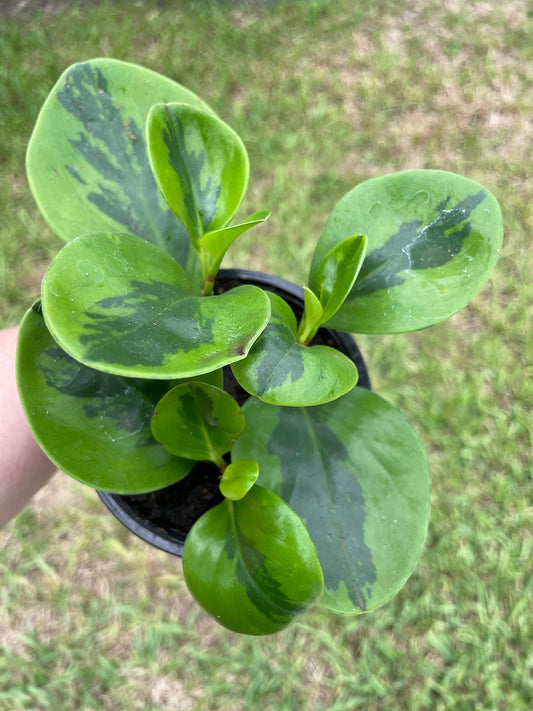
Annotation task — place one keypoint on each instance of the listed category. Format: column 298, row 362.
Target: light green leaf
column 356, row 473
column 218, row 242
column 238, row 478
column 280, row 371
column 433, row 239
column 197, row 421
column 87, row 162
column 121, row 305
column 92, row 425
column 337, row 273
column 200, row 165
column 251, row 564
column 311, row 317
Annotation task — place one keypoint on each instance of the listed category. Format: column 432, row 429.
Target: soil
column 175, row 508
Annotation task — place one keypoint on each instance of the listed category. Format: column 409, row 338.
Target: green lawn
column 324, row 94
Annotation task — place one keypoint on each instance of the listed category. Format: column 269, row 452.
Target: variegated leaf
column 281, row 371
column 93, row 426
column 200, row 165
column 197, row 421
column 121, row 305
column 433, row 239
column 87, row 162
column 251, row 564
column 356, row 473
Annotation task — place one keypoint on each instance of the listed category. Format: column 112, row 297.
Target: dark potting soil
column 176, row 507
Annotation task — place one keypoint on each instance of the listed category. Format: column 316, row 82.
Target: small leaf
column 218, row 242
column 197, row 421
column 238, row 478
column 251, row 564
column 199, row 163
column 357, row 474
column 337, row 273
column 92, row 425
column 311, row 316
column 121, row 305
column 280, row 371
column 433, row 239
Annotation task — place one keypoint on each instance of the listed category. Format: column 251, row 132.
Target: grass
column 324, row 96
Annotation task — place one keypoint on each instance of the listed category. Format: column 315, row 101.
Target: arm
column 24, row 468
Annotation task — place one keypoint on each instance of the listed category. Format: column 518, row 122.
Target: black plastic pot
column 131, row 510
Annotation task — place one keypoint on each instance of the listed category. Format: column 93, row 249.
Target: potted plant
column 323, row 486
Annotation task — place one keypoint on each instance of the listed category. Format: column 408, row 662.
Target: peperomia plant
column 325, row 485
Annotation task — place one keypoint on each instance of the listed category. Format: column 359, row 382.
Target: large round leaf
column 433, row 239
column 200, row 165
column 122, row 305
column 356, row 473
column 87, row 162
column 93, row 426
column 251, row 564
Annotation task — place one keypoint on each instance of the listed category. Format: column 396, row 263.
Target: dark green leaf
column 280, row 371
column 251, row 564
column 119, row 304
column 433, row 239
column 356, row 473
column 93, row 426
column 197, row 421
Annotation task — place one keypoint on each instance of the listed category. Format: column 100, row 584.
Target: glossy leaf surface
column 119, row 304
column 357, row 474
column 238, row 478
column 280, row 371
column 218, row 242
column 337, row 272
column 200, row 165
column 251, row 564
column 311, row 316
column 87, row 161
column 197, row 421
column 93, row 426
column 433, row 239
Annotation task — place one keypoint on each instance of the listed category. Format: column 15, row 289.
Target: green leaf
column 87, row 162
column 281, row 371
column 433, row 239
column 337, row 273
column 121, row 305
column 356, row 473
column 251, row 564
column 200, row 165
column 93, row 426
column 197, row 421
column 238, row 478
column 311, row 317
column 218, row 242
